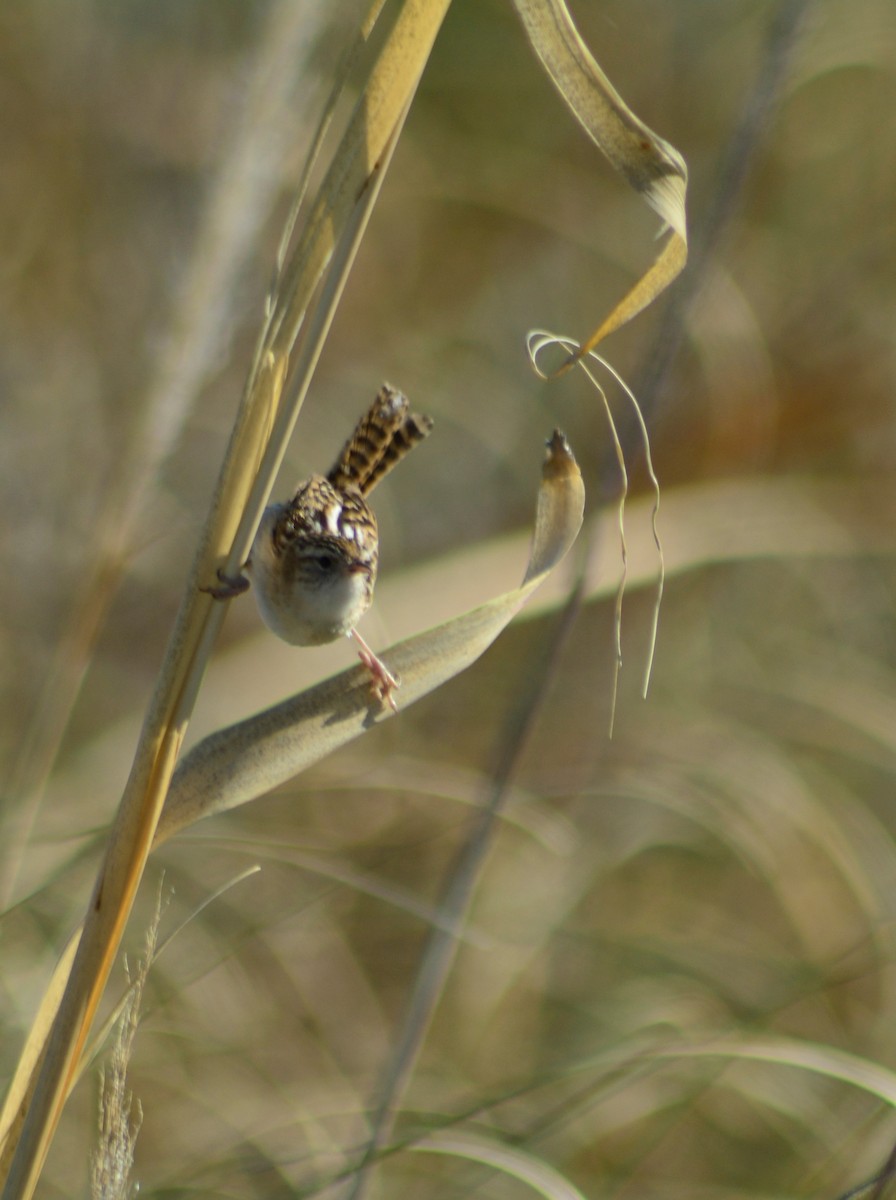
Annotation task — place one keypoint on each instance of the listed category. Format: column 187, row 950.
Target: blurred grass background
column 723, row 868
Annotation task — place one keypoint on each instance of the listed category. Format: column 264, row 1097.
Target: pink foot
column 382, row 682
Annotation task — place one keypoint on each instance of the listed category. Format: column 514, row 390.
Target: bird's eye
column 326, row 562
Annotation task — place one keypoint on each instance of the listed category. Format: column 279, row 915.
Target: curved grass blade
column 510, row 1160
column 238, row 764
column 652, row 166
column 828, row 1061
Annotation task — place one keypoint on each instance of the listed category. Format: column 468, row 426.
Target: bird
column 313, row 563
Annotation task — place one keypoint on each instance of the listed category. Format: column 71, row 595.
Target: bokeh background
column 680, row 955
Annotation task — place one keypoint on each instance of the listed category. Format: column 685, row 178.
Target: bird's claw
column 228, row 587
column 382, row 682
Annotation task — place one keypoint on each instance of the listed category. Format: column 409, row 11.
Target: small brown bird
column 314, row 558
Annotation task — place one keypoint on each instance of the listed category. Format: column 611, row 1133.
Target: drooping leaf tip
column 559, row 459
column 558, row 451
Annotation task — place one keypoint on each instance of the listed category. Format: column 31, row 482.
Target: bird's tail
column 383, row 436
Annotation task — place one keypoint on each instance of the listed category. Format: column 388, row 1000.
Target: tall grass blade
column 652, row 166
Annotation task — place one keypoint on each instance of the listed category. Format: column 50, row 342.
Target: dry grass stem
column 255, row 450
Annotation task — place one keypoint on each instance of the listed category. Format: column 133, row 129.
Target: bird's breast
column 302, row 602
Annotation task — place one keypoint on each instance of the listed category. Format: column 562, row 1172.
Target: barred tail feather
column 382, row 438
column 414, row 430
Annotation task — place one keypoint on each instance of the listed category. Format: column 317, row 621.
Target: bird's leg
column 382, row 682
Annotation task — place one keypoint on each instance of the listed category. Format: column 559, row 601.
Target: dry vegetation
column 675, row 979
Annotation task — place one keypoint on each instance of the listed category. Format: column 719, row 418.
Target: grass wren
column 314, row 559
